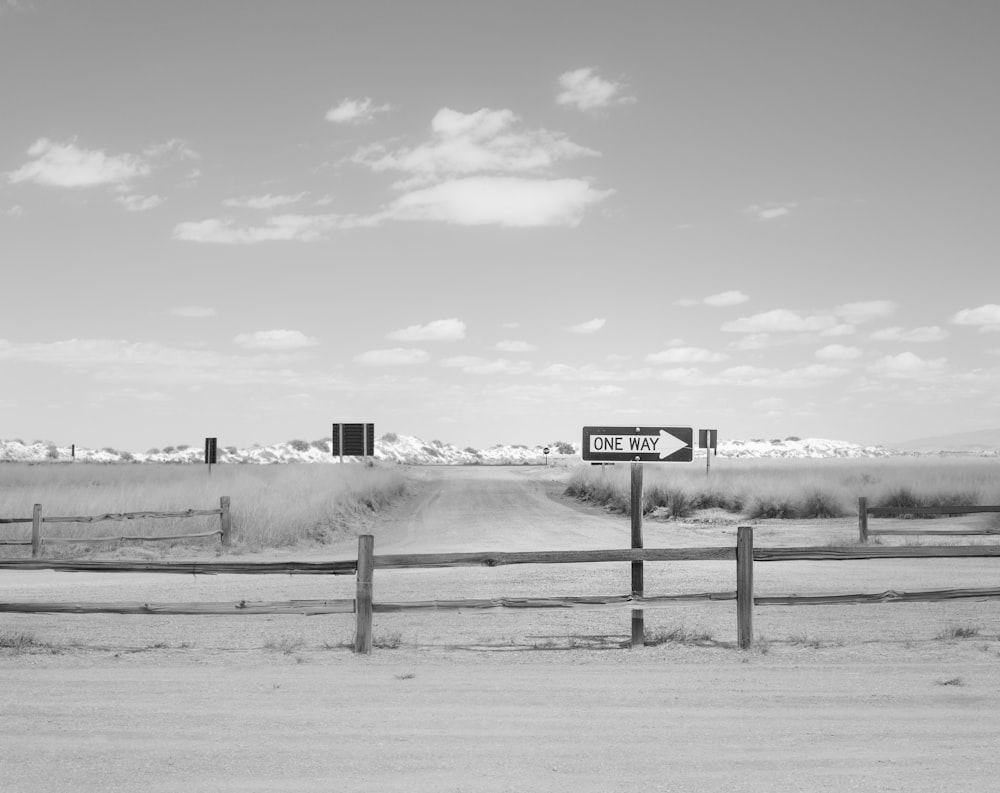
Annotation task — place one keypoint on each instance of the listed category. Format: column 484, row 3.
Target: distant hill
column 976, row 442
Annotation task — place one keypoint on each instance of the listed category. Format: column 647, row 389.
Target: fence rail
column 364, row 567
column 224, row 532
column 864, row 511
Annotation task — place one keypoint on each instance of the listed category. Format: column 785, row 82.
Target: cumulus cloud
column 731, row 298
column 472, row 364
column 193, row 312
column 355, row 111
column 770, row 211
column 139, row 203
column 906, row 364
column 68, row 165
column 275, row 340
column 585, row 90
column 590, row 326
column 502, row 201
column 686, row 355
column 923, row 334
column 510, row 345
column 780, row 320
column 266, row 201
column 986, row 317
column 865, row 311
column 397, row 356
column 838, row 352
column 438, row 330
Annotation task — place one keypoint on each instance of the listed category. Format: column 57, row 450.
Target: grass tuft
column 678, row 635
column 959, row 632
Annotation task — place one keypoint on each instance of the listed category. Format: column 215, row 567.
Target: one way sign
column 638, row 444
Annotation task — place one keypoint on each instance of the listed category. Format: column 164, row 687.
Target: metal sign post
column 545, row 451
column 637, row 445
column 709, row 441
column 211, row 446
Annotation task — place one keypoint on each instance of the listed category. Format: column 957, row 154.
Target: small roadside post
column 637, row 445
column 211, row 453
column 709, row 441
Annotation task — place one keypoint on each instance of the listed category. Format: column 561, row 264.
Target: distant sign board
column 353, row 440
column 211, row 445
column 638, row 444
column 708, row 439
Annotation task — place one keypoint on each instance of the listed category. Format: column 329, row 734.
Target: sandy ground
column 832, row 698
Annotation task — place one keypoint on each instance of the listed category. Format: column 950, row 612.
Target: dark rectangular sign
column 353, row 440
column 210, row 451
column 638, row 444
column 708, row 439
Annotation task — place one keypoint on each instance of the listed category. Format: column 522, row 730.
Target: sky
column 488, row 222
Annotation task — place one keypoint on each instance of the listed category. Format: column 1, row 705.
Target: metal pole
column 638, row 625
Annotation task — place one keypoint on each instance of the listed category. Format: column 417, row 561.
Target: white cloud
column 803, row 377
column 195, row 312
column 275, row 340
column 780, row 320
column 398, row 356
column 509, row 345
column 731, row 298
column 355, row 111
column 16, row 211
column 923, row 334
column 461, row 144
column 472, row 364
column 838, row 352
column 438, row 330
column 856, row 313
column 906, row 364
column 686, row 355
column 502, row 201
column 770, row 211
column 68, row 165
column 303, row 228
column 266, row 201
column 985, row 317
column 583, row 89
column 590, row 326
column 589, row 372
column 839, row 329
column 138, row 203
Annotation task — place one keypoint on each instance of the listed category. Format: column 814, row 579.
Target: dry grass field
column 898, row 697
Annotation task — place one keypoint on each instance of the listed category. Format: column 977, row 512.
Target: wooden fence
column 864, row 511
column 364, row 606
column 224, row 532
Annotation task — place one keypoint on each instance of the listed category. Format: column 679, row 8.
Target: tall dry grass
column 272, row 505
column 795, row 488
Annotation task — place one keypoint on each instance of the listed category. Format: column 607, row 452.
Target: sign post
column 637, row 445
column 211, row 445
column 545, row 451
column 708, row 440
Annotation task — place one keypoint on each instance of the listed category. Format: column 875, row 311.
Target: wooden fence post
column 744, row 586
column 36, row 531
column 638, row 617
column 862, row 519
column 363, row 596
column 226, row 520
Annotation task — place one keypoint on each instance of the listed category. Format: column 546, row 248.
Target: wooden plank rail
column 864, row 511
column 846, row 553
column 889, row 596
column 500, row 558
column 224, row 531
column 307, row 607
column 346, row 567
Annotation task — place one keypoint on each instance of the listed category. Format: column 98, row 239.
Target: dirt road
column 832, row 699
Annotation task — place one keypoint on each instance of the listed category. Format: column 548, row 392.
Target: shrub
column 52, row 452
column 127, row 456
column 109, row 450
column 470, row 450
column 182, row 447
column 168, row 449
column 562, row 447
column 153, row 451
column 793, row 438
column 323, row 444
column 299, row 445
column 819, row 504
column 770, row 506
column 390, row 437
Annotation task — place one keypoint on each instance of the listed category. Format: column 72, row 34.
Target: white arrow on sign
column 664, row 444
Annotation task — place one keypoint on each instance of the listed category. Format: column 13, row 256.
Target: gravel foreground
column 866, row 698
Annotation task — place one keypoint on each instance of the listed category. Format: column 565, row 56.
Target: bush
column 819, row 504
column 153, row 451
column 793, row 438
column 168, row 450
column 470, row 450
column 299, row 445
column 183, row 447
column 390, row 437
column 128, row 457
column 769, row 506
column 52, row 452
column 109, row 450
column 563, row 448
column 323, row 444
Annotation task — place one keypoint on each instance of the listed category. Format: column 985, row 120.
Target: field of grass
column 795, row 488
column 272, row 505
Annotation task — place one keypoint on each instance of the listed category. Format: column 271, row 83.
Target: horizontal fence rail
column 364, row 606
column 224, row 532
column 865, row 511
